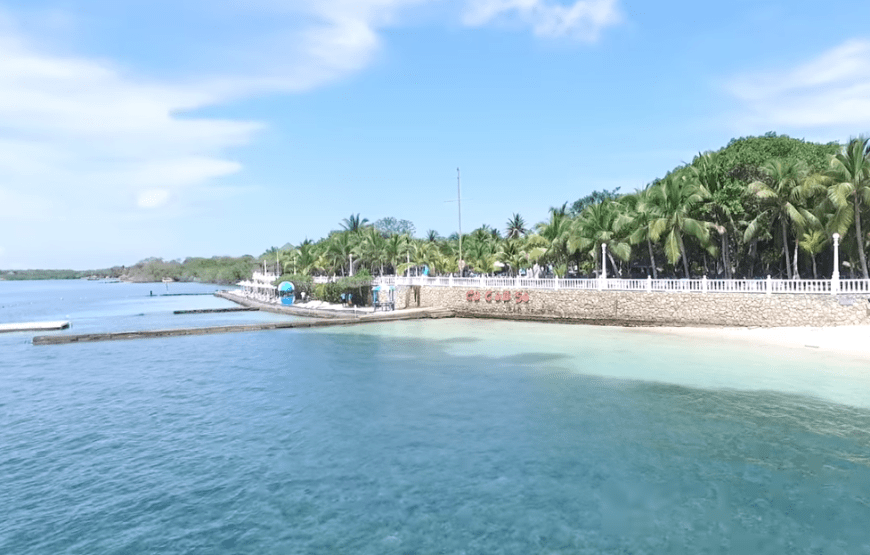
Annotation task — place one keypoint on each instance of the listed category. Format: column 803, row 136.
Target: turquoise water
column 448, row 436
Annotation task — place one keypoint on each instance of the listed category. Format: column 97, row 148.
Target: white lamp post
column 603, row 260
column 835, row 275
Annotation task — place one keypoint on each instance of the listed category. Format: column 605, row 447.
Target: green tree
column 354, row 223
column 597, row 225
column 641, row 213
column 557, row 232
column 392, row 226
column 784, row 199
column 848, row 179
column 672, row 201
column 516, row 227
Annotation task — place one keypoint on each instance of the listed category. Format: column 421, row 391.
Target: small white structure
column 260, row 287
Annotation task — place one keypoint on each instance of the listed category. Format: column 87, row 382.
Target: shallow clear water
column 447, row 436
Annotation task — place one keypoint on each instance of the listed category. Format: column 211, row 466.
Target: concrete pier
column 34, row 326
column 213, row 310
column 313, row 323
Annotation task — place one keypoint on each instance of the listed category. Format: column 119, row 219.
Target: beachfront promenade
column 644, row 302
column 764, row 286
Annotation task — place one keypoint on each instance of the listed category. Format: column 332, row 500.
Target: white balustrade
column 700, row 286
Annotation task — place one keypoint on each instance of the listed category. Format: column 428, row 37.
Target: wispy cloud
column 830, row 92
column 73, row 124
column 583, row 20
column 87, row 142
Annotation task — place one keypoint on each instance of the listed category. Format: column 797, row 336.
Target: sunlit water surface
column 448, row 436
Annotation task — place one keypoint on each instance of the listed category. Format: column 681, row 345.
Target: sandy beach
column 849, row 340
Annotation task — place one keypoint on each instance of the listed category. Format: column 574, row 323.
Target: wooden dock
column 313, row 323
column 35, row 326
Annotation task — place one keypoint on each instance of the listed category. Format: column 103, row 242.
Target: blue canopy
column 285, row 286
column 383, row 288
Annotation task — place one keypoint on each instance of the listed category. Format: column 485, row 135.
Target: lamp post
column 835, row 275
column 603, row 260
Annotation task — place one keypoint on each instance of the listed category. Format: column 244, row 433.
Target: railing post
column 704, row 285
column 768, row 286
column 649, row 284
column 450, row 280
column 556, row 282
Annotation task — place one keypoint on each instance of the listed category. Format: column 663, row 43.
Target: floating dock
column 35, row 326
column 412, row 314
column 212, row 310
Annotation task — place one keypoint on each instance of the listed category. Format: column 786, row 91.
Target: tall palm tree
column 516, row 227
column 373, row 248
column 354, row 223
column 849, row 184
column 672, row 201
column 557, row 232
column 340, row 247
column 597, row 225
column 396, row 247
column 513, row 255
column 784, row 200
column 723, row 201
column 641, row 214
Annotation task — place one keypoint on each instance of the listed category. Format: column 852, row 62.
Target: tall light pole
column 603, row 260
column 835, row 275
column 459, row 204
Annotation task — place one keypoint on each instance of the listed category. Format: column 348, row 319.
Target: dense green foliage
column 759, row 206
column 12, row 275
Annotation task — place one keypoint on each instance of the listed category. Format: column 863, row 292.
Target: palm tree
column 813, row 242
column 306, row 257
column 354, row 223
column 672, row 200
column 340, row 247
column 395, row 248
column 513, row 255
column 642, row 214
column 785, row 198
column 597, row 225
column 372, row 248
column 849, row 183
column 516, row 227
column 723, row 201
column 432, row 236
column 557, row 232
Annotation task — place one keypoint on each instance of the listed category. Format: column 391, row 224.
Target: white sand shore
column 851, row 340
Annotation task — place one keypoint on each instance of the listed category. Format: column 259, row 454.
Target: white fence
column 763, row 286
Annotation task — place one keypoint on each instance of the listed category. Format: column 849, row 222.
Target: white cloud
column 89, row 143
column 582, row 20
column 76, row 124
column 152, row 198
column 830, row 92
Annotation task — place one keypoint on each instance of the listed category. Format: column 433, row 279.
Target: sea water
column 444, row 436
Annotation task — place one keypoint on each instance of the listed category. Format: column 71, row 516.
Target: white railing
column 762, row 286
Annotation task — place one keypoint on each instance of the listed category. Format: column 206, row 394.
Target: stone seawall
column 641, row 308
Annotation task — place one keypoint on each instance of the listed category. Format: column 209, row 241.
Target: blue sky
column 223, row 127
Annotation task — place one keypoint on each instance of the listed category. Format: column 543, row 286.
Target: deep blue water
column 446, row 436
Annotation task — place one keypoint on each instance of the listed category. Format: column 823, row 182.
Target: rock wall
column 641, row 308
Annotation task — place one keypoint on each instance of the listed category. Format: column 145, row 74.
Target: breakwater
column 217, row 310
column 637, row 308
column 313, row 323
